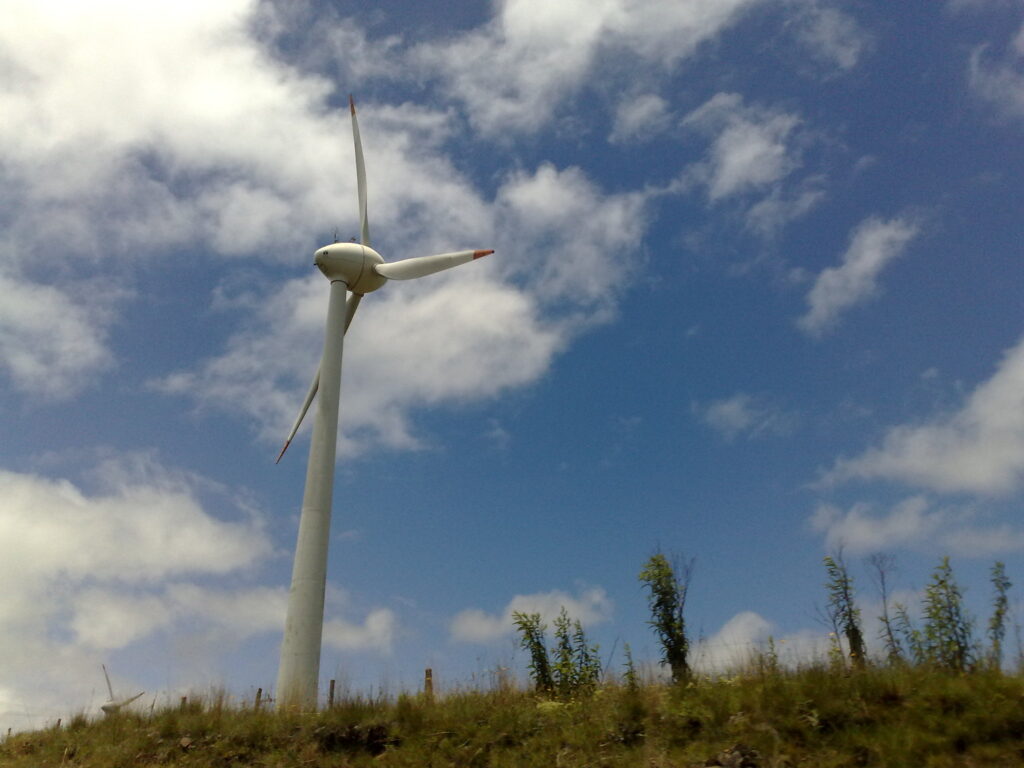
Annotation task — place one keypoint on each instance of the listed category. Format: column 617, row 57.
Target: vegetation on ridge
column 897, row 717
column 938, row 699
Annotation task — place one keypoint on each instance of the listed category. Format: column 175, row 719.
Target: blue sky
column 756, row 295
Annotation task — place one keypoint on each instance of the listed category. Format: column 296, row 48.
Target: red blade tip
column 278, row 459
column 481, row 254
column 351, row 104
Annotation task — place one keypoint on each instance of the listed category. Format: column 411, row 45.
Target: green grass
column 892, row 717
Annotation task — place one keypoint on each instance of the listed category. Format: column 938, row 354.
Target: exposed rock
column 739, row 756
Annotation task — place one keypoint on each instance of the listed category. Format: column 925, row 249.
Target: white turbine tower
column 354, row 269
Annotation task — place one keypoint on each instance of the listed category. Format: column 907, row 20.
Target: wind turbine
column 354, row 269
column 112, row 707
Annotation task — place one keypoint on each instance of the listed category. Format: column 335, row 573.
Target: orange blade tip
column 278, row 459
column 481, row 254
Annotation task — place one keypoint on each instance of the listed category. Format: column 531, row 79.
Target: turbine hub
column 351, row 263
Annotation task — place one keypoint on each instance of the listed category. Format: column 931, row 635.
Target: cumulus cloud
column 834, row 36
column 745, row 636
column 998, row 78
column 135, row 532
column 107, row 128
column 112, row 152
column 977, row 449
column 114, row 617
column 475, row 626
column 88, row 572
column 873, row 245
column 979, row 5
column 573, row 245
column 49, row 342
column 744, row 414
column 513, row 72
column 859, row 531
column 914, row 523
column 376, row 632
column 769, row 215
column 753, row 155
column 129, row 130
column 734, row 646
column 63, row 551
column 409, row 347
column 464, row 335
column 640, row 117
column 749, row 150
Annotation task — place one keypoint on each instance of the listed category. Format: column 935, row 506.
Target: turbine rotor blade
column 313, row 387
column 364, row 223
column 109, row 687
column 350, row 311
column 408, row 269
column 350, row 308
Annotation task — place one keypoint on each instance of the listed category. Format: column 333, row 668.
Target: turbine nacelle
column 363, row 270
column 353, row 264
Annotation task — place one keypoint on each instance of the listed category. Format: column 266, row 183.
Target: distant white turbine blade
column 364, row 223
column 110, row 690
column 350, row 311
column 408, row 269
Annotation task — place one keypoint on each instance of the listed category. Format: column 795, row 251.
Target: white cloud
column 749, row 151
column 475, row 626
column 572, row 244
column 377, row 632
column 743, row 414
column 137, row 129
column 88, row 573
column 970, row 5
column 112, row 618
column 49, row 342
column 1000, row 81
column 771, row 214
column 409, row 347
column 977, row 449
column 239, row 613
column 115, row 151
column 832, row 35
column 497, row 435
column 134, row 532
column 82, row 572
column 858, row 531
column 104, row 619
column 745, row 637
column 914, row 524
column 873, row 245
column 751, row 162
column 733, row 646
column 121, row 104
column 130, row 129
column 513, row 73
column 640, row 117
column 566, row 250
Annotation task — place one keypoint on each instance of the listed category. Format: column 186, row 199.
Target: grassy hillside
column 880, row 716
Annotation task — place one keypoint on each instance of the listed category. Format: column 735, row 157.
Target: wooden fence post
column 184, row 703
column 259, row 696
column 330, row 696
column 428, row 683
